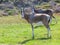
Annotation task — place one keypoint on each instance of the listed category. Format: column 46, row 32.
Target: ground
column 16, row 31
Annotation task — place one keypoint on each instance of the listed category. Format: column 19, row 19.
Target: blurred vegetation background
column 12, row 7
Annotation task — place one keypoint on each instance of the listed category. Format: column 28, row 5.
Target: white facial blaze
column 32, row 10
column 28, row 11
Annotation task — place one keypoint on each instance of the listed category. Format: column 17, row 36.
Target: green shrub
column 11, row 11
column 58, row 1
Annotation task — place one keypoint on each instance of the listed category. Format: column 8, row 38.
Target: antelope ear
column 21, row 11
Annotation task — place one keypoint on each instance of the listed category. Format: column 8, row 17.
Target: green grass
column 14, row 31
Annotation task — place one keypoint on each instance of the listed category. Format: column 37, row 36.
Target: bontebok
column 28, row 14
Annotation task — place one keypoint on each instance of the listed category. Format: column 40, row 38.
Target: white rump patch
column 48, row 17
column 40, row 22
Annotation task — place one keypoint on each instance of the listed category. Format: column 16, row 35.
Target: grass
column 16, row 31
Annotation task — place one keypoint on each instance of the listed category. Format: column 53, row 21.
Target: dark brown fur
column 34, row 18
column 46, row 11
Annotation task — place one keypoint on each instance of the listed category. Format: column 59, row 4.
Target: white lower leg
column 49, row 33
column 32, row 31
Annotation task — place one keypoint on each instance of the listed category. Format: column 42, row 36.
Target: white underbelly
column 39, row 23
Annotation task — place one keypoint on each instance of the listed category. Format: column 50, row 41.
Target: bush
column 58, row 1
column 11, row 11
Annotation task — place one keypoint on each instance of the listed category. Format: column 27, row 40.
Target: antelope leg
column 32, row 31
